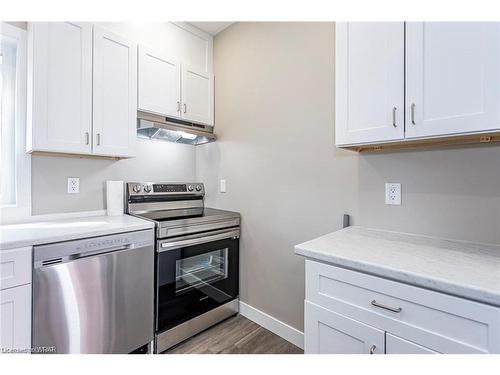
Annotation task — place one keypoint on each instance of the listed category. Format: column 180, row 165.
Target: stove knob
column 137, row 188
column 147, row 188
column 198, row 187
column 190, row 187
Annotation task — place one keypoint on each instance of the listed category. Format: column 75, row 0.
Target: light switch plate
column 393, row 193
column 73, row 185
column 222, row 187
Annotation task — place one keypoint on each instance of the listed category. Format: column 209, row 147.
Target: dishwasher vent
column 51, row 261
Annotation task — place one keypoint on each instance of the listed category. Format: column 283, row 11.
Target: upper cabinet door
column 369, row 82
column 115, row 95
column 159, row 84
column 452, row 72
column 60, row 87
column 197, row 96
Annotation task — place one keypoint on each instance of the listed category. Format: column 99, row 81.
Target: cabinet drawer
column 436, row 320
column 15, row 267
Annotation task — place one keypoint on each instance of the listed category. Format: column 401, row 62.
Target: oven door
column 195, row 274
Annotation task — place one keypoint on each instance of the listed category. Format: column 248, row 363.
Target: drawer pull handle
column 372, row 349
column 385, row 307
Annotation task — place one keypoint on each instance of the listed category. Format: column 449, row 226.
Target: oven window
column 200, row 270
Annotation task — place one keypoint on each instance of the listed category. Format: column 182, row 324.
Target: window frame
column 22, row 209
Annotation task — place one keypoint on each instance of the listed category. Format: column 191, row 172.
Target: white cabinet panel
column 114, row 94
column 15, row 267
column 453, row 79
column 197, row 96
column 397, row 345
column 436, row 320
column 329, row 333
column 159, row 83
column 369, row 82
column 60, row 87
column 15, row 318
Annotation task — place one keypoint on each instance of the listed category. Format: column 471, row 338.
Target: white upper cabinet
column 60, row 87
column 369, row 82
column 82, row 90
column 114, row 95
column 159, row 83
column 197, row 96
column 452, row 77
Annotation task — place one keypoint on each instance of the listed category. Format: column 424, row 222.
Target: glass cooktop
column 187, row 213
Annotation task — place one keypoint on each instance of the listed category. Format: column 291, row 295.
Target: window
column 15, row 163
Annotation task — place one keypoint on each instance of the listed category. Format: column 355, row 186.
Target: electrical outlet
column 73, row 185
column 393, row 193
column 222, row 187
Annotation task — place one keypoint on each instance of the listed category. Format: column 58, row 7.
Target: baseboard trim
column 274, row 325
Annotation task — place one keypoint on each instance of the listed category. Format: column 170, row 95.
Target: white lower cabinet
column 352, row 312
column 397, row 345
column 332, row 333
column 15, row 316
column 15, row 300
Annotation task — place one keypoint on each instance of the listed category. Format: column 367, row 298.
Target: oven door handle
column 166, row 246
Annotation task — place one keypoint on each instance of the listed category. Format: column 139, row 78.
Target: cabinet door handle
column 372, row 349
column 87, row 138
column 185, row 107
column 178, row 106
column 413, row 114
column 98, row 139
column 385, row 307
column 394, row 109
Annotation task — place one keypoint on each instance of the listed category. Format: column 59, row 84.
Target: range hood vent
column 169, row 129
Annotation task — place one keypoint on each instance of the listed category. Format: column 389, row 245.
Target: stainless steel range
column 197, row 258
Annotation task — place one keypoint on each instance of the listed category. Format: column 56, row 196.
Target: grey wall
column 155, row 161
column 450, row 192
column 275, row 119
column 274, row 116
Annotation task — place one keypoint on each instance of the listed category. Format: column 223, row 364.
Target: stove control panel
column 148, row 188
column 169, row 188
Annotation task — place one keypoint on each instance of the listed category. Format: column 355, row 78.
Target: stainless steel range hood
column 151, row 126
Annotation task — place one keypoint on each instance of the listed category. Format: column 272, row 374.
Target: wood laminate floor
column 236, row 335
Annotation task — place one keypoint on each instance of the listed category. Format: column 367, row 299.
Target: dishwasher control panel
column 102, row 243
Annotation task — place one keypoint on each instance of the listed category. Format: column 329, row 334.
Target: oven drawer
column 446, row 323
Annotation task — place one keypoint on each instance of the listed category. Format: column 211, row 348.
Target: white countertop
column 459, row 268
column 37, row 233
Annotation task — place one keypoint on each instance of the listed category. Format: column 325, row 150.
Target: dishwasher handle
column 62, row 252
column 103, row 251
column 83, row 255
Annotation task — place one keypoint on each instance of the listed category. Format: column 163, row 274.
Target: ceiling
column 212, row 28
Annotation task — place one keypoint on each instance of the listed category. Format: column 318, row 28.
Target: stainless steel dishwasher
column 94, row 295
